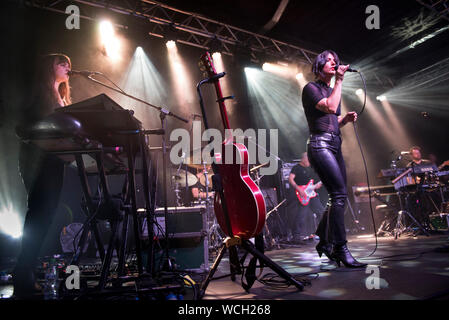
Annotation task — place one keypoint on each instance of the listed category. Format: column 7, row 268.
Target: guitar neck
column 208, row 62
column 223, row 111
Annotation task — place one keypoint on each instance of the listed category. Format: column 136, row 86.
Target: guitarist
column 301, row 216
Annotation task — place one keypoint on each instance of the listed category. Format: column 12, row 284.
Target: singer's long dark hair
column 320, row 61
column 44, row 95
column 44, row 84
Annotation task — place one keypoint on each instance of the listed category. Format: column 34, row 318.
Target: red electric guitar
column 309, row 190
column 244, row 200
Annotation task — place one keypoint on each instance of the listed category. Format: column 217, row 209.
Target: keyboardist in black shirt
column 322, row 108
column 415, row 153
column 42, row 174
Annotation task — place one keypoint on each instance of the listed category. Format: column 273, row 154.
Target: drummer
column 199, row 189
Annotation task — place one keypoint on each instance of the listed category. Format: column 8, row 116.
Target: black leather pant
column 324, row 152
column 43, row 177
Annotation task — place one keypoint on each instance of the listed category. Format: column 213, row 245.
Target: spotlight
column 109, row 40
column 106, row 29
column 170, row 34
column 170, row 44
column 299, row 76
column 359, row 92
column 215, row 46
column 381, row 98
column 216, row 55
column 10, row 223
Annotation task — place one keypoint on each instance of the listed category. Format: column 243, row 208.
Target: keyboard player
column 42, row 174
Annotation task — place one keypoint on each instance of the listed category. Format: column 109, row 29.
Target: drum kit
column 182, row 183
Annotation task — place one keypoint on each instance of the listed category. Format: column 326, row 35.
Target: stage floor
column 418, row 273
column 408, row 268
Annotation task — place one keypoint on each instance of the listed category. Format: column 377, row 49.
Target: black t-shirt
column 303, row 174
column 37, row 110
column 318, row 120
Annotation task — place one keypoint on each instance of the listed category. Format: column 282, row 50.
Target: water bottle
column 51, row 282
column 171, row 296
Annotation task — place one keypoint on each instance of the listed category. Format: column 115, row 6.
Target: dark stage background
column 30, row 32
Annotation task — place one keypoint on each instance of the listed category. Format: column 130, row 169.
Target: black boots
column 342, row 254
column 326, row 248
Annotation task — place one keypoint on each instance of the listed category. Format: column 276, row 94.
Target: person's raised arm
column 330, row 104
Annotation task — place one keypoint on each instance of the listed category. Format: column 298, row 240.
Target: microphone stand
column 163, row 113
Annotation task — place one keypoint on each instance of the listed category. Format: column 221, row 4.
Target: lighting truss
column 193, row 29
column 441, row 7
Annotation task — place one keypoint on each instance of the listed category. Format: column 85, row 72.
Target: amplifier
column 187, row 237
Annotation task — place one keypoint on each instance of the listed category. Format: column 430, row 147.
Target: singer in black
column 322, row 108
column 42, row 174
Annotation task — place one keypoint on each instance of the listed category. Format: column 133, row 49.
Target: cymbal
column 180, row 178
column 190, row 163
column 203, row 180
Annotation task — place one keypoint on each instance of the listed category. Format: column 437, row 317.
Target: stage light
column 275, row 103
column 281, row 68
column 215, row 46
column 106, row 29
column 381, row 98
column 299, row 76
column 170, row 44
column 359, row 92
column 109, row 41
column 182, row 82
column 143, row 80
column 216, row 55
column 10, row 223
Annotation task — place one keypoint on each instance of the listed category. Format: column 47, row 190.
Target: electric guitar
column 244, row 201
column 309, row 190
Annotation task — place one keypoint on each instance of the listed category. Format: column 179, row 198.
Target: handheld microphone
column 84, row 73
column 348, row 70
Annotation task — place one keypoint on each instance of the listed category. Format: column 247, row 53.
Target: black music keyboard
column 92, row 124
column 386, row 173
column 104, row 120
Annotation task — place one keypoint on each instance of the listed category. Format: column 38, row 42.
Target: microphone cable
column 365, row 165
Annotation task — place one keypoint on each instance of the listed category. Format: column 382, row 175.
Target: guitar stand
column 232, row 242
column 249, row 248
